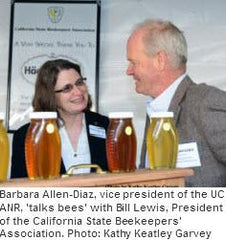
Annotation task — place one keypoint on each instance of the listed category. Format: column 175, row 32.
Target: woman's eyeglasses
column 69, row 87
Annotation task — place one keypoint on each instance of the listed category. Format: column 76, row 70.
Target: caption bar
column 112, row 213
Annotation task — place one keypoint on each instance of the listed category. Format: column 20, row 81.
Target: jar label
column 166, row 126
column 50, row 128
column 128, row 130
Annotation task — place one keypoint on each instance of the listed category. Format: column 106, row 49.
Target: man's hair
column 164, row 35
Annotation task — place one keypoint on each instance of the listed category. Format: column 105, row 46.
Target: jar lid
column 2, row 116
column 41, row 115
column 120, row 115
column 162, row 115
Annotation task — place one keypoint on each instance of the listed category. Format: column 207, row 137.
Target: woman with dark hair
column 60, row 87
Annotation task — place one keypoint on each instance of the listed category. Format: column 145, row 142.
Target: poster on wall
column 49, row 30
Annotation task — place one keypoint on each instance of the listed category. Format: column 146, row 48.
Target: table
column 141, row 178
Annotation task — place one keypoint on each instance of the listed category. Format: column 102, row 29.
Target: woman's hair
column 44, row 96
column 164, row 35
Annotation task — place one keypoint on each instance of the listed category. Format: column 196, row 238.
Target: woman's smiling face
column 75, row 100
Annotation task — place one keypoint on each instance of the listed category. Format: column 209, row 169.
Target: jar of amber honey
column 121, row 142
column 43, row 146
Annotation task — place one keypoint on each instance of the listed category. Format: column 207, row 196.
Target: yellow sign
column 128, row 130
column 50, row 128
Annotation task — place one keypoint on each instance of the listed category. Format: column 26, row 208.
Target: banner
column 42, row 31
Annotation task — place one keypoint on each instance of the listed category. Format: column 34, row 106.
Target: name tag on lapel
column 96, row 131
column 188, row 155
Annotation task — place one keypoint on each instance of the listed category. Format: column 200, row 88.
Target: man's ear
column 161, row 60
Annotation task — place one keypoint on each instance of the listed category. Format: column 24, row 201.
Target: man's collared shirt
column 162, row 102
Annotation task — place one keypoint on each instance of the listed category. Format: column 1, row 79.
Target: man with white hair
column 157, row 55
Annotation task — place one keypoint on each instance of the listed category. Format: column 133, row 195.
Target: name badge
column 188, row 155
column 97, row 131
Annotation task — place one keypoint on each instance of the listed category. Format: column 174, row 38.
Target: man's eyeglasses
column 68, row 87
